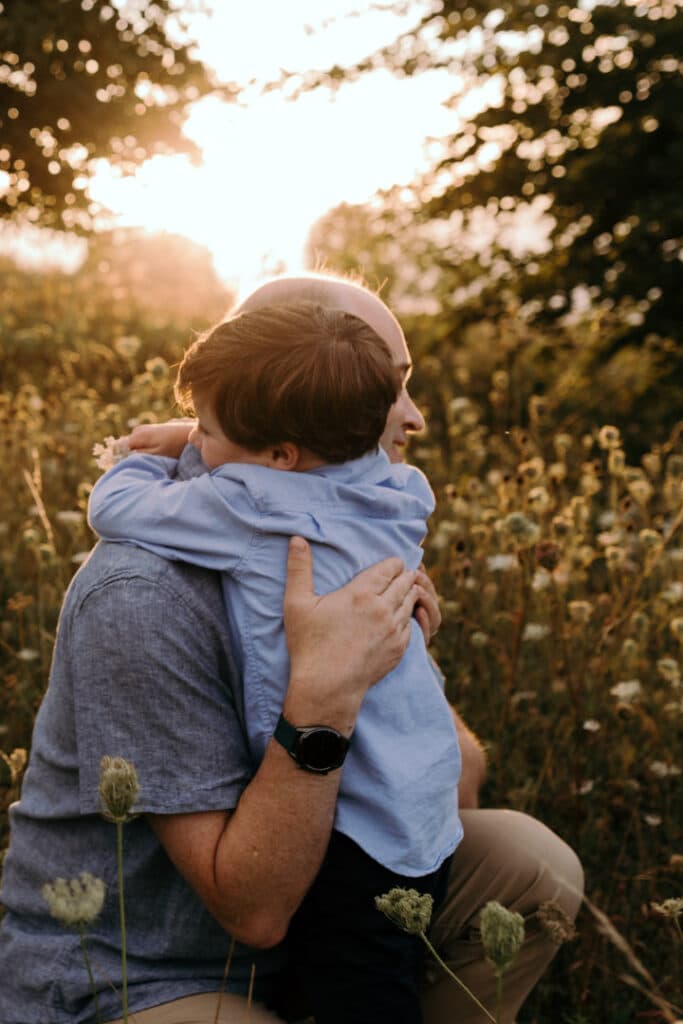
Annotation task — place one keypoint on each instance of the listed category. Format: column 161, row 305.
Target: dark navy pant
column 351, row 963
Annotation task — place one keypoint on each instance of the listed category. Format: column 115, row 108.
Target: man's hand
column 161, row 438
column 344, row 642
column 427, row 611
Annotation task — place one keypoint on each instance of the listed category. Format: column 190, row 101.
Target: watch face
column 321, row 749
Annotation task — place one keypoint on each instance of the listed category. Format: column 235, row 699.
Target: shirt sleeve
column 207, row 520
column 154, row 682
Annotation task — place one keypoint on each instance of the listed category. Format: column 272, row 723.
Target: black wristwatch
column 315, row 748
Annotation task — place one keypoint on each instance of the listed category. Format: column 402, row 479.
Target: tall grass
column 558, row 557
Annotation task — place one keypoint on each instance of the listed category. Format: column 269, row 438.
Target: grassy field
column 559, row 561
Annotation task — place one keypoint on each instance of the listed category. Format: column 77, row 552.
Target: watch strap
column 287, row 735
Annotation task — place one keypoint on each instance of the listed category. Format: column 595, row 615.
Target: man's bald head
column 331, row 292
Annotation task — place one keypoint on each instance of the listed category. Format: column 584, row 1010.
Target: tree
column 581, row 112
column 582, row 104
column 81, row 80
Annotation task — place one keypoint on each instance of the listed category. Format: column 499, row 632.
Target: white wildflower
column 591, row 725
column 669, row 670
column 627, row 690
column 524, row 531
column 673, row 593
column 663, row 770
column 127, row 345
column 673, row 907
column 609, row 437
column 535, row 631
column 75, row 902
column 112, row 451
column 580, row 611
column 541, row 580
column 28, row 654
column 538, row 499
column 502, row 562
column 69, row 517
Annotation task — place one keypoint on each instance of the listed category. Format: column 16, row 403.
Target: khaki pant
column 504, row 856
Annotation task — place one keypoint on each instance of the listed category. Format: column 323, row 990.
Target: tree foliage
column 581, row 116
column 81, row 80
column 583, row 104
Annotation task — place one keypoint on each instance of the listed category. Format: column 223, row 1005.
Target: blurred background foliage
column 536, row 271
column 85, row 80
column 557, row 204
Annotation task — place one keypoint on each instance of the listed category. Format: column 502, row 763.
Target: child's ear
column 285, row 455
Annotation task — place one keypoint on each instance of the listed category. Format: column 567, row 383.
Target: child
column 291, row 402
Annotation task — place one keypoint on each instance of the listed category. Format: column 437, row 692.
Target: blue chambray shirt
column 142, row 669
column 397, row 797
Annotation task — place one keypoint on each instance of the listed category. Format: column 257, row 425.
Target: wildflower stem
column 91, row 979
column 122, row 918
column 455, row 978
column 224, row 980
column 499, row 995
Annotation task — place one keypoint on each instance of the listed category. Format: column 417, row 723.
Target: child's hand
column 161, row 438
column 427, row 610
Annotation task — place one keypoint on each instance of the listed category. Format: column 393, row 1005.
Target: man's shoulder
column 113, row 567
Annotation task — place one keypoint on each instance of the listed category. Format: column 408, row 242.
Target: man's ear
column 285, row 455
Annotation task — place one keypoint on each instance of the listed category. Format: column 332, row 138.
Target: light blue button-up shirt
column 397, row 796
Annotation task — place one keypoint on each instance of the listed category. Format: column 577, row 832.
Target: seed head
column 75, row 902
column 119, row 788
column 562, row 443
column 580, row 611
column 651, row 539
column 502, row 934
column 523, row 530
column 669, row 670
column 407, row 908
column 548, row 554
column 556, row 922
column 672, row 908
column 641, row 490
column 676, row 627
column 674, row 467
column 609, row 437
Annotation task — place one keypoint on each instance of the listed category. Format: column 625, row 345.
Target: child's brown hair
column 299, row 372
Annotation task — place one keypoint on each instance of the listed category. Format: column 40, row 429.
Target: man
column 143, row 669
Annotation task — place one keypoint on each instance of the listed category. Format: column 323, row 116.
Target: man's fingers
column 299, row 571
column 400, row 587
column 379, row 577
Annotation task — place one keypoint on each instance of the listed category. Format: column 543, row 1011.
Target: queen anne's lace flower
column 502, row 934
column 119, row 788
column 112, row 451
column 407, row 908
column 556, row 922
column 76, row 902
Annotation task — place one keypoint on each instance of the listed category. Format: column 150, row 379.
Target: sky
column 270, row 168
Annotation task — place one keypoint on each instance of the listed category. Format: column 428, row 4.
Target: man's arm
column 473, row 770
column 253, row 866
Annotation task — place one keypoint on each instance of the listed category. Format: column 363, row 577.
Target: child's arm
column 161, row 438
column 206, row 521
